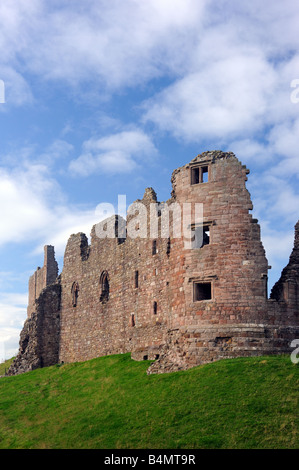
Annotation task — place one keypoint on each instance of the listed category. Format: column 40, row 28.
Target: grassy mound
column 111, row 403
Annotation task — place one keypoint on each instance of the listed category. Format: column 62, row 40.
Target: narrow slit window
column 155, row 308
column 202, row 291
column 154, row 247
column 104, row 283
column 168, row 247
column 75, row 293
column 136, row 279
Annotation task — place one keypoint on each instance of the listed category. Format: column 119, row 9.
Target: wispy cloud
column 116, row 153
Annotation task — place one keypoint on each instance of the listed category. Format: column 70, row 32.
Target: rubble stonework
column 162, row 299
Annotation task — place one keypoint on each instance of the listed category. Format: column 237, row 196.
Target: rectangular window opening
column 202, row 291
column 200, row 174
column 155, row 308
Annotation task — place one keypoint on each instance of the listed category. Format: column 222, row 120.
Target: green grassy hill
column 111, row 403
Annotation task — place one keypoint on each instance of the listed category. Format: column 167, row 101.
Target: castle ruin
column 178, row 301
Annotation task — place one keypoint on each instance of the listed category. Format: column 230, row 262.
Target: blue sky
column 106, row 98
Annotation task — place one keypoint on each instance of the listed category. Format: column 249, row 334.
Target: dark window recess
column 157, row 356
column 195, row 175
column 154, row 247
column 75, row 293
column 120, row 231
column 155, row 307
column 120, row 241
column 104, row 282
column 132, row 319
column 202, row 291
column 136, row 278
column 200, row 236
column 145, row 358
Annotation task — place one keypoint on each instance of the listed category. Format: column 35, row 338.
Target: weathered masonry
column 180, row 303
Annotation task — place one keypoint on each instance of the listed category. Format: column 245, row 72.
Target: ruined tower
column 42, row 277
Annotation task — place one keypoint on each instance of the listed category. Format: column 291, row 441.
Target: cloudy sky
column 100, row 98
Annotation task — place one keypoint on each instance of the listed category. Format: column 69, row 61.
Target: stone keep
column 172, row 299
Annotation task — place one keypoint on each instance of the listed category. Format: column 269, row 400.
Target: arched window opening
column 104, row 283
column 75, row 293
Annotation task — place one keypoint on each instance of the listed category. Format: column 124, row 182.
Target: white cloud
column 221, row 100
column 38, row 212
column 116, row 153
column 118, row 43
column 22, row 210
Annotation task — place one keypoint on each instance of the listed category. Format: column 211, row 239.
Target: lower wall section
column 190, row 347
column 39, row 339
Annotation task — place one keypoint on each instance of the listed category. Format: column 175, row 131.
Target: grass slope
column 4, row 366
column 111, row 403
